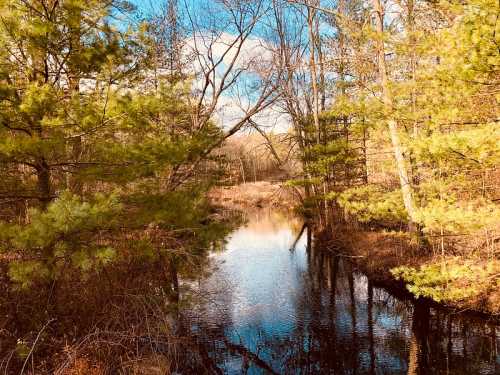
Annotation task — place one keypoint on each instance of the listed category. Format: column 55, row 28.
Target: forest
column 137, row 137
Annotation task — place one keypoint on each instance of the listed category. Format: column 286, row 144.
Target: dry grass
column 82, row 366
column 377, row 252
column 252, row 195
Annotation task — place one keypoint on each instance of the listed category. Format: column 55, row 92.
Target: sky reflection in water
column 268, row 309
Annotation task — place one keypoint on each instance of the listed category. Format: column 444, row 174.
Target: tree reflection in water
column 273, row 307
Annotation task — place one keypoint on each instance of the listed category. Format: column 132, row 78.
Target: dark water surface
column 268, row 308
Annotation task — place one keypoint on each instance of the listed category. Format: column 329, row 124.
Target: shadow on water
column 275, row 304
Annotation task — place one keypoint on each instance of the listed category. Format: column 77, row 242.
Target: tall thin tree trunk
column 415, row 175
column 76, row 146
column 321, row 61
column 342, row 75
column 39, row 74
column 242, row 167
column 406, row 187
column 312, row 69
column 311, row 12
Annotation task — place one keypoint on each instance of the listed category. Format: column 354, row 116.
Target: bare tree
column 313, row 36
column 227, row 65
column 230, row 66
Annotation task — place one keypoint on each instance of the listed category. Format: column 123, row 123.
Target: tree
column 405, row 182
column 52, row 51
column 76, row 105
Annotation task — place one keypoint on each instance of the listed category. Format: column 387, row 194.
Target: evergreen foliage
column 454, row 281
column 410, row 136
column 93, row 146
column 445, row 86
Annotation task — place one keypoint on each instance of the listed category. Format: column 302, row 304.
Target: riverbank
column 253, row 195
column 286, row 306
column 389, row 258
column 392, row 259
column 121, row 317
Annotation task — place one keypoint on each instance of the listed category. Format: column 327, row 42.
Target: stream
column 269, row 308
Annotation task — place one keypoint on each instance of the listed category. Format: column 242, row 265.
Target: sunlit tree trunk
column 410, row 22
column 313, row 72
column 321, row 64
column 342, row 71
column 313, row 41
column 406, row 187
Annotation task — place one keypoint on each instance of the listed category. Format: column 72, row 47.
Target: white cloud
column 251, row 61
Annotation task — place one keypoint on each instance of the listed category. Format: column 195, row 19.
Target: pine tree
column 93, row 150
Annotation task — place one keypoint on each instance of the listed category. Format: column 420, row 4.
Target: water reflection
column 274, row 307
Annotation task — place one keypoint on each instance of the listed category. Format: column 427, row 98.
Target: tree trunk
column 315, row 91
column 313, row 73
column 75, row 144
column 43, row 183
column 415, row 175
column 406, row 187
column 322, row 82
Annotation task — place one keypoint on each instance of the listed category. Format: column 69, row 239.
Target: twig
column 34, row 344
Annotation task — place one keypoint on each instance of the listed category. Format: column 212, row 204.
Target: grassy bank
column 253, row 195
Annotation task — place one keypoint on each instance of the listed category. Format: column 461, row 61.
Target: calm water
column 267, row 308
